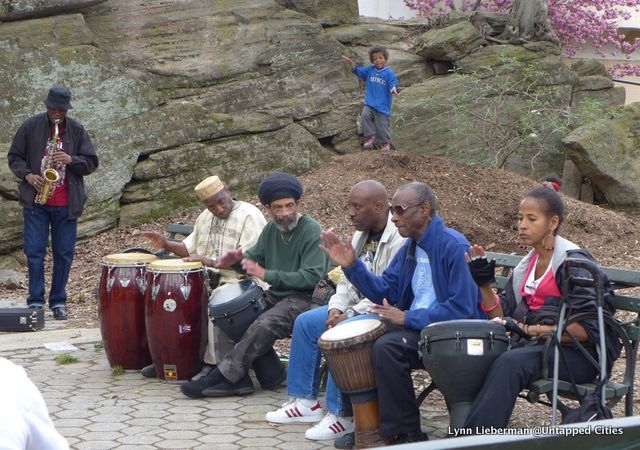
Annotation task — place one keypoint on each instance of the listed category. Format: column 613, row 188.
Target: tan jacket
column 346, row 294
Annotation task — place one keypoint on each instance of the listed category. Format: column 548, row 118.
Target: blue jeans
column 303, row 374
column 63, row 244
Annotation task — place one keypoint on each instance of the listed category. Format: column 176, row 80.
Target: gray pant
column 234, row 359
column 376, row 124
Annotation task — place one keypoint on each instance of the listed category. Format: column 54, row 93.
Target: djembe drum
column 121, row 309
column 175, row 312
column 348, row 349
column 458, row 355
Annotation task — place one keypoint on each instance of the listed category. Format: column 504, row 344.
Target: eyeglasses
column 401, row 209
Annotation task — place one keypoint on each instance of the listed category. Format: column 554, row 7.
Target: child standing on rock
column 381, row 84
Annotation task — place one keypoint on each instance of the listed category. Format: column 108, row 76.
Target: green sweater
column 293, row 260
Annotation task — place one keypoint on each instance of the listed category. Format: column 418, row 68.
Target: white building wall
column 385, row 9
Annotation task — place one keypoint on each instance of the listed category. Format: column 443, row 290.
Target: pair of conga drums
column 153, row 310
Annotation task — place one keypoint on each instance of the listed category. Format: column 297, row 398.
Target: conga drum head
column 174, row 265
column 128, row 258
column 235, row 306
column 343, row 335
column 233, row 291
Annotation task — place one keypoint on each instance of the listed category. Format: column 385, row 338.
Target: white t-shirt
column 24, row 419
column 424, row 295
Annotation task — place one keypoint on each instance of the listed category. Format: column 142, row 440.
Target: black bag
column 21, row 319
column 591, row 408
column 323, row 291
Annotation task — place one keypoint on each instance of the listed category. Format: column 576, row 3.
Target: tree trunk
column 531, row 19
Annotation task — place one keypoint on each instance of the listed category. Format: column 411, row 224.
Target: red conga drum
column 175, row 313
column 121, row 309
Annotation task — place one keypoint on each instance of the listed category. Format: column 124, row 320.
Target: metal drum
column 458, row 355
column 121, row 309
column 235, row 306
column 175, row 312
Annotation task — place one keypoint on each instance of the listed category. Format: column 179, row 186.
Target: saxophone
column 49, row 173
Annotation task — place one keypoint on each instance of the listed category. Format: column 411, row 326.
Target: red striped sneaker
column 330, row 427
column 294, row 411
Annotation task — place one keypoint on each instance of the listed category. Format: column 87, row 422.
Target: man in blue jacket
column 428, row 281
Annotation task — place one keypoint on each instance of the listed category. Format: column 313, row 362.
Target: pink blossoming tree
column 577, row 23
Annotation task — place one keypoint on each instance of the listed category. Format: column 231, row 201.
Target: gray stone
column 328, row 12
column 30, row 9
column 571, row 179
column 10, row 279
column 450, row 43
column 607, row 152
column 366, row 33
column 590, row 67
column 593, row 83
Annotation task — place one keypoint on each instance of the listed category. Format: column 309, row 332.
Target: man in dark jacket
column 56, row 142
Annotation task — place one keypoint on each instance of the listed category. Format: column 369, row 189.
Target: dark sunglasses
column 401, row 209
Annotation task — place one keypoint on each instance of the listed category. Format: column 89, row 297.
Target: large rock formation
column 176, row 90
column 607, row 152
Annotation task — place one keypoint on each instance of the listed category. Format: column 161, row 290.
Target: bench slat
column 612, row 389
column 179, row 228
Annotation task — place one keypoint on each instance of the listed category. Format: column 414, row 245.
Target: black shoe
column 347, row 441
column 407, row 438
column 149, row 371
column 272, row 384
column 226, row 388
column 60, row 313
column 206, row 369
column 193, row 389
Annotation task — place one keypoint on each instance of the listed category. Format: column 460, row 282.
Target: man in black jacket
column 54, row 141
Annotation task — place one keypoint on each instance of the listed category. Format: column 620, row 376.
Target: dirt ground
column 479, row 202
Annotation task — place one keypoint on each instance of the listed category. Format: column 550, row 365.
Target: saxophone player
column 51, row 143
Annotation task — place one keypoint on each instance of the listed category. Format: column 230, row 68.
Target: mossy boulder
column 450, row 43
column 608, row 153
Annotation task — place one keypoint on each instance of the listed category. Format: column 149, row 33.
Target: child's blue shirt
column 379, row 84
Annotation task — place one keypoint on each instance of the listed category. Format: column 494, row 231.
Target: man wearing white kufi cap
column 226, row 224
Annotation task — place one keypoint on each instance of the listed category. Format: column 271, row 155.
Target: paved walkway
column 96, row 409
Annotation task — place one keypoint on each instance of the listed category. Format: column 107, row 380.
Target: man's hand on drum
column 155, row 237
column 338, row 250
column 253, row 268
column 228, row 259
column 334, row 317
column 389, row 313
column 198, row 258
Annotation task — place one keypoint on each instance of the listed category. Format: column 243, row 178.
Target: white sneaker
column 330, row 427
column 294, row 411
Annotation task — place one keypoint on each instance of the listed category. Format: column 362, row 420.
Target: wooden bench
column 629, row 333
